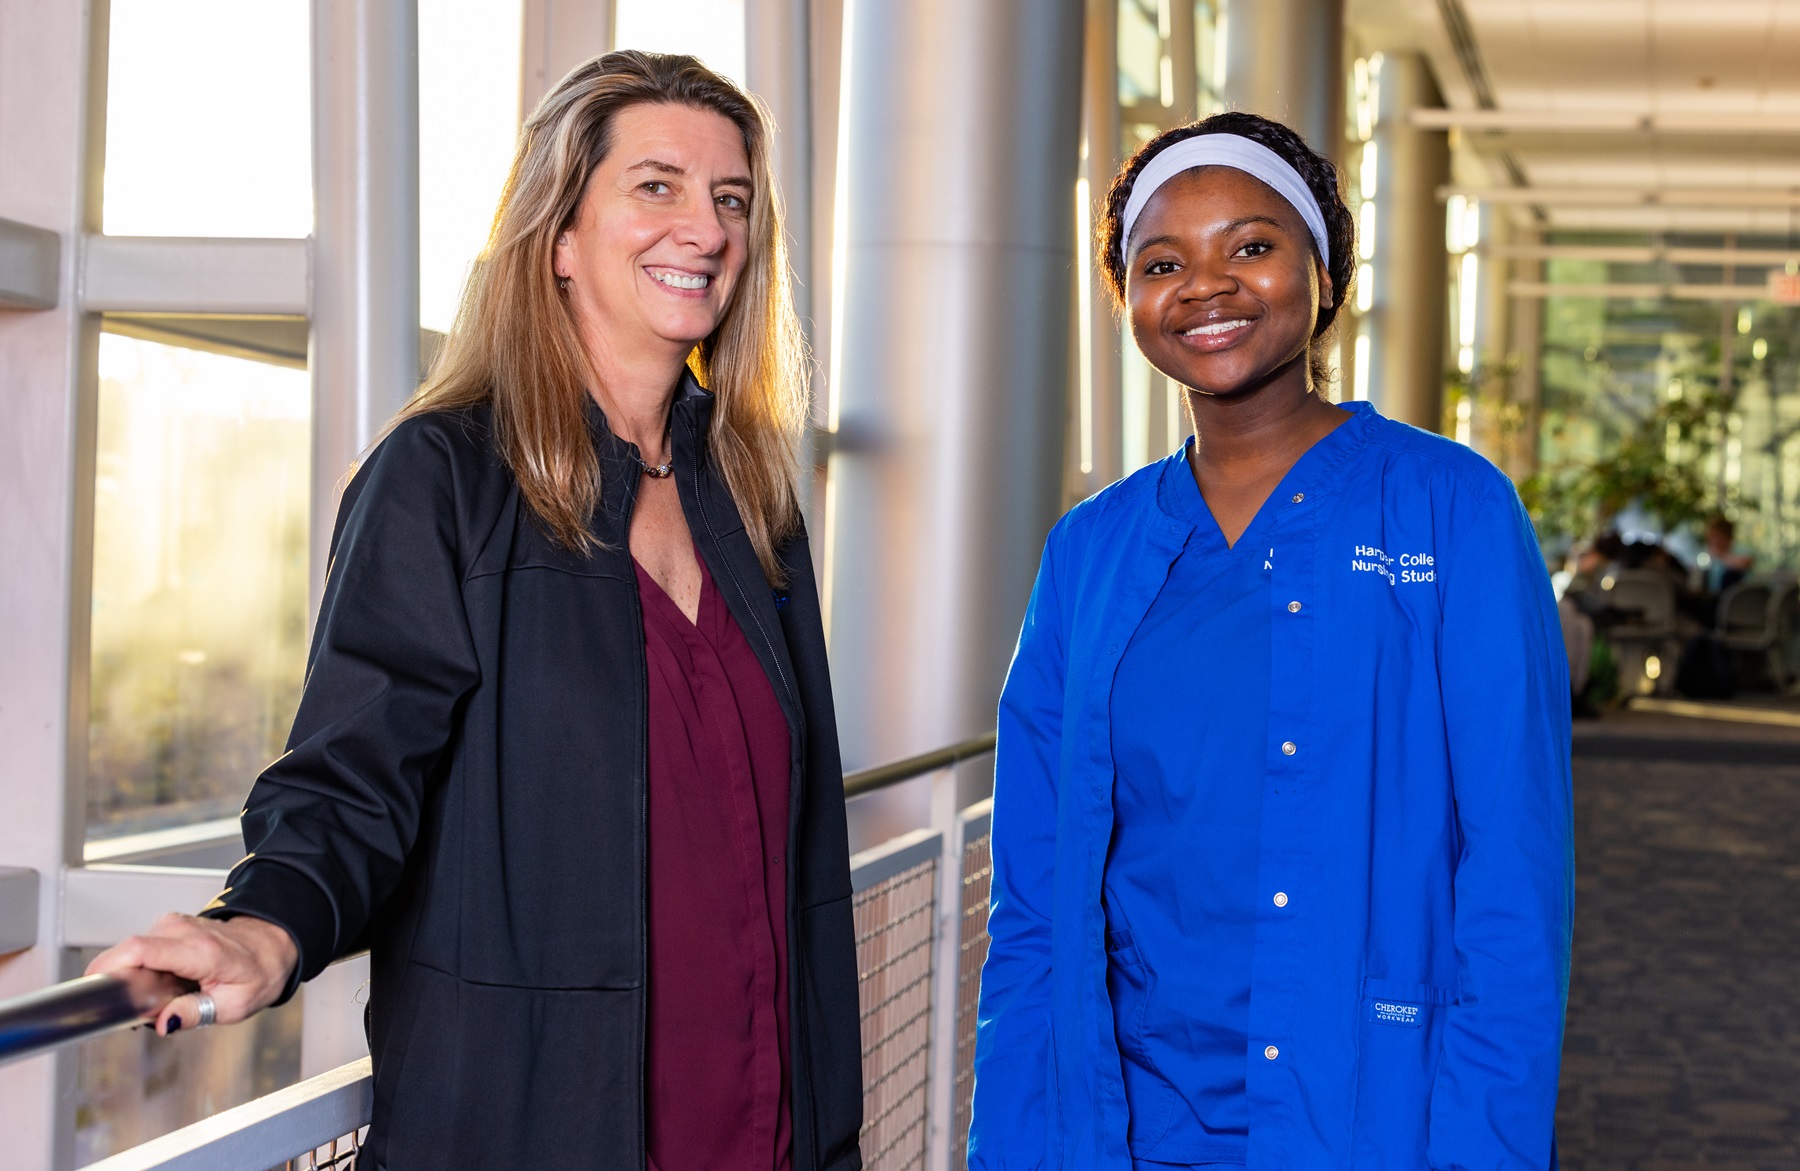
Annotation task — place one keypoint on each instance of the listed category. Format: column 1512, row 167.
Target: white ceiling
column 1731, row 60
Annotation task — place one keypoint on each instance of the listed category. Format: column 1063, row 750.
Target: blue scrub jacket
column 1415, row 888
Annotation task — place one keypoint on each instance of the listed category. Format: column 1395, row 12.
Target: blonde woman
column 566, row 760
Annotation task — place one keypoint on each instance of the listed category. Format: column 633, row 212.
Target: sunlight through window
column 208, row 119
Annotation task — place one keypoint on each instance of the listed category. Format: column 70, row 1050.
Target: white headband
column 1228, row 150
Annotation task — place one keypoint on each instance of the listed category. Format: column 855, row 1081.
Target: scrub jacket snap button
column 1288, row 748
column 1271, row 1053
column 1293, row 607
column 1299, row 496
column 1281, row 898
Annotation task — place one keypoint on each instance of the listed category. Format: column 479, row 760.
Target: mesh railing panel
column 338, row 1155
column 893, row 958
column 971, row 953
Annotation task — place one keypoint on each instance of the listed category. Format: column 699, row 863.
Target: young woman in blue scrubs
column 1282, row 861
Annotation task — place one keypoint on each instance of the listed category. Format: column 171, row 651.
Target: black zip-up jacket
column 464, row 794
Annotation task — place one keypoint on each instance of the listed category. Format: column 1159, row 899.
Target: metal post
column 559, row 35
column 1525, row 345
column 778, row 68
column 1284, row 59
column 1410, row 316
column 962, row 134
column 364, row 352
column 1493, row 338
column 1098, row 390
column 825, row 29
column 1184, row 66
column 52, row 109
column 941, row 1112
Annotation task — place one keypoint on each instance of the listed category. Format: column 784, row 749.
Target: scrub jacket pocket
column 1131, row 986
column 1402, row 1031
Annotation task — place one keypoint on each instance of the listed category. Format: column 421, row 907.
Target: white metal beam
column 104, row 904
column 50, row 135
column 1535, row 289
column 365, row 310
column 30, row 266
column 1563, row 122
column 291, row 1122
column 877, row 864
column 219, row 843
column 1628, row 196
column 559, row 35
column 778, row 68
column 128, row 274
column 1643, row 254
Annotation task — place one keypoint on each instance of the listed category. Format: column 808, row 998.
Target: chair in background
column 1642, row 631
column 1759, row 623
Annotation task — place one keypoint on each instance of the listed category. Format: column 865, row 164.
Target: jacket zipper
column 797, row 1019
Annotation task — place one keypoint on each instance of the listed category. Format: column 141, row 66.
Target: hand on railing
column 78, row 1009
column 242, row 964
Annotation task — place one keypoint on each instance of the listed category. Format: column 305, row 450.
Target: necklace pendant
column 659, row 472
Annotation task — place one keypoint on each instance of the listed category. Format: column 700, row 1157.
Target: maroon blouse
column 717, row 1080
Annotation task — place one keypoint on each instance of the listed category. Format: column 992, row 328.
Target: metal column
column 778, row 69
column 364, row 352
column 1284, row 59
column 52, row 107
column 1525, row 344
column 962, row 132
column 1098, row 455
column 559, row 35
column 1410, row 316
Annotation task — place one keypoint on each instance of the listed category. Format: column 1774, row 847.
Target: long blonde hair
column 515, row 345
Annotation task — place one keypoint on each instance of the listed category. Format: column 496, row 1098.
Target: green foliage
column 1658, row 463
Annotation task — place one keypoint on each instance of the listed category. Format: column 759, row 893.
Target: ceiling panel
column 1727, row 59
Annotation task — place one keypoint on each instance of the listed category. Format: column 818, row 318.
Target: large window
column 208, row 122
column 202, row 476
column 1170, row 68
column 712, row 30
column 203, row 453
column 1613, row 364
column 134, row 1086
column 469, row 56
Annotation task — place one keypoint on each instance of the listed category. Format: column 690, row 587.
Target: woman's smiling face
column 662, row 233
column 1222, row 281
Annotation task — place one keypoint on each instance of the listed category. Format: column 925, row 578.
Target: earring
column 562, row 282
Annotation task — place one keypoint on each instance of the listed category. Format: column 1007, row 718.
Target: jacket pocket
column 1149, row 1098
column 494, row 1075
column 1400, row 1029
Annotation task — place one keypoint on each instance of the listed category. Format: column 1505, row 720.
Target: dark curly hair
column 1319, row 173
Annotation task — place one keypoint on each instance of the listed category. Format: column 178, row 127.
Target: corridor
column 1682, row 1022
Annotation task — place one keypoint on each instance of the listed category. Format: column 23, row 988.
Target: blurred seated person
column 1705, row 670
column 1723, row 568
column 1590, row 565
column 1578, row 644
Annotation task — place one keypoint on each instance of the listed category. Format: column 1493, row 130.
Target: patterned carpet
column 1683, row 1044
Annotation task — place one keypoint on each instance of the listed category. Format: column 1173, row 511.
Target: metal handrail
column 78, row 1009
column 868, row 780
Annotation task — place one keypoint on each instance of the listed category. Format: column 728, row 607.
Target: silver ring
column 206, row 1009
